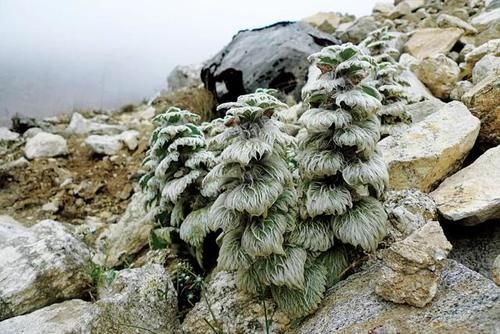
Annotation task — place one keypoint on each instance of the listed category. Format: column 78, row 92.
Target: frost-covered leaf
column 318, row 119
column 174, row 188
column 364, row 135
column 371, row 172
column 244, row 150
column 314, row 163
column 364, row 225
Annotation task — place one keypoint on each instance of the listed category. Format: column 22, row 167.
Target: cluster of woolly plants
column 343, row 175
column 393, row 113
column 285, row 213
column 176, row 164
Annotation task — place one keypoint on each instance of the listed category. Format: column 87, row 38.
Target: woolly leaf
column 244, row 150
column 364, row 225
column 264, row 236
column 254, row 197
column 231, row 254
column 314, row 163
column 327, row 199
column 283, row 270
column 372, row 172
column 194, row 229
column 298, row 303
column 314, row 235
column 364, row 135
column 174, row 188
column 335, row 261
column 317, row 119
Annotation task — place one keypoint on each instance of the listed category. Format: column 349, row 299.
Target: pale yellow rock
column 496, row 271
column 431, row 41
column 431, row 149
column 324, row 21
column 412, row 269
column 484, row 102
column 439, row 73
column 491, row 47
column 472, row 195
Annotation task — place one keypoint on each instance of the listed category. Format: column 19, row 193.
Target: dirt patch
column 79, row 185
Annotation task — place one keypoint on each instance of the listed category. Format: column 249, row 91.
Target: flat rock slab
column 432, row 41
column 466, row 302
column 472, row 195
column 39, row 266
column 141, row 300
column 431, row 149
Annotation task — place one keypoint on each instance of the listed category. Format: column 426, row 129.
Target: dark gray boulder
column 269, row 57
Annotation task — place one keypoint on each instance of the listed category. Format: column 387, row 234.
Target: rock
column 428, row 42
column 431, row 149
column 358, row 30
column 185, row 77
column 408, row 210
column 472, row 196
column 487, row 65
column 460, row 89
column 143, row 298
column 7, row 135
column 130, row 139
column 125, row 238
column 491, row 47
column 79, row 125
column 39, row 266
column 465, row 302
column 405, row 7
column 269, row 57
column 412, row 267
column 52, row 207
column 383, row 9
column 19, row 163
column 109, row 145
column 420, row 110
column 31, row 132
column 236, row 312
column 324, row 21
column 496, row 271
column 448, row 21
column 439, row 73
column 476, row 247
column 137, row 301
column 490, row 33
column 416, row 91
column 482, row 21
column 484, row 102
column 45, row 145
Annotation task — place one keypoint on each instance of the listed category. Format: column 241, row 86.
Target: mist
column 59, row 56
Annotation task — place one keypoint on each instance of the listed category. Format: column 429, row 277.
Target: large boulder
column 6, row 135
column 427, row 42
column 137, row 301
column 430, row 150
column 449, row 21
column 412, row 267
column 45, row 145
column 472, row 195
column 125, row 238
column 324, row 21
column 439, row 73
column 496, row 270
column 103, row 144
column 484, row 102
column 234, row 310
column 486, row 19
column 269, row 57
column 185, row 76
column 465, row 302
column 39, row 266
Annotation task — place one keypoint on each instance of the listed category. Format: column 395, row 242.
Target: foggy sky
column 59, row 55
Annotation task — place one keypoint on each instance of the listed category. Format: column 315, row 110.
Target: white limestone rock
column 45, row 145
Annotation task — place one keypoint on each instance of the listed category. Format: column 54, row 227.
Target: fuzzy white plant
column 176, row 163
column 343, row 174
column 256, row 207
column 388, row 81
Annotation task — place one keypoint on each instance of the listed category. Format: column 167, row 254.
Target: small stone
column 31, row 132
column 130, row 139
column 44, row 145
column 19, row 163
column 487, row 65
column 484, row 20
column 359, row 29
column 460, row 89
column 324, row 21
column 79, row 125
column 447, row 21
column 52, row 207
column 491, row 47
